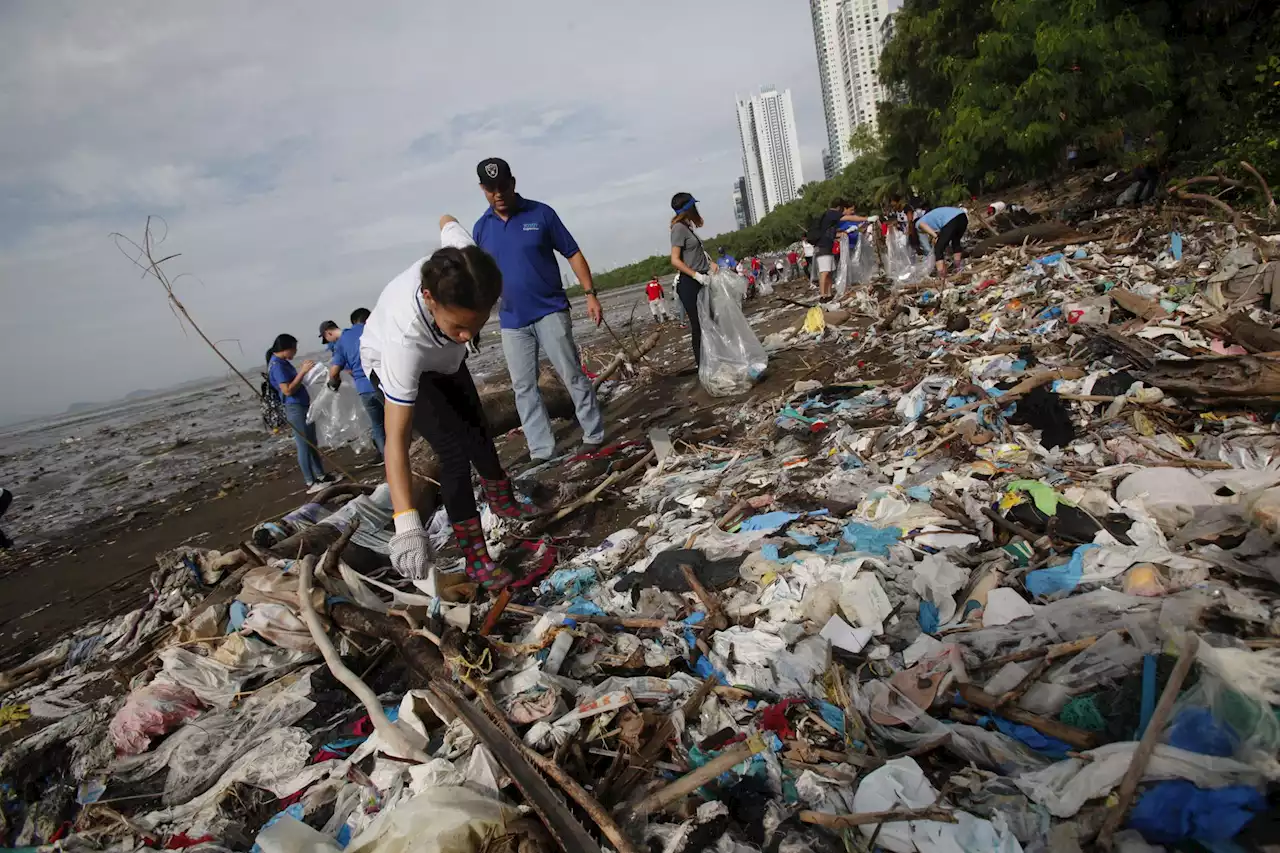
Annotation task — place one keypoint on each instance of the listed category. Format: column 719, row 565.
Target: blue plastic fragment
column 1059, row 578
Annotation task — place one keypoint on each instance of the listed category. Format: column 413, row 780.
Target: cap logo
column 491, row 170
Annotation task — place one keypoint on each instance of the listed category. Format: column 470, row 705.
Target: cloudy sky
column 301, row 153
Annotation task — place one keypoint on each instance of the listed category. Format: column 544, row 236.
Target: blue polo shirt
column 346, row 356
column 524, row 247
column 281, row 373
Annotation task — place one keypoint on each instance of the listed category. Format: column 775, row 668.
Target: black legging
column 688, row 289
column 449, row 416
column 949, row 237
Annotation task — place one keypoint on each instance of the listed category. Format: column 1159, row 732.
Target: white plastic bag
column 338, row 415
column 732, row 357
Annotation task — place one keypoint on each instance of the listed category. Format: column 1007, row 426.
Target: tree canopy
column 1000, row 91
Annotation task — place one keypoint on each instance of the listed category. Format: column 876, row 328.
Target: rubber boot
column 479, row 566
column 502, row 499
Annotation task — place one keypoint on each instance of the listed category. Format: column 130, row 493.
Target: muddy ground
column 103, row 569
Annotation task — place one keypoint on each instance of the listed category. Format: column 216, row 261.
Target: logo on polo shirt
column 531, row 226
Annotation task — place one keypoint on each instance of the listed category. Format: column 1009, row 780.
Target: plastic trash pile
column 1017, row 591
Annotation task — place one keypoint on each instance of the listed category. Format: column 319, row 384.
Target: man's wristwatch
column 590, row 293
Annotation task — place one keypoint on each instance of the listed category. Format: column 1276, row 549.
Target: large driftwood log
column 1254, row 337
column 1237, row 379
column 1049, row 233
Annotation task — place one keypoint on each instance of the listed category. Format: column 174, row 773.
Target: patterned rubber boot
column 502, row 499
column 479, row 566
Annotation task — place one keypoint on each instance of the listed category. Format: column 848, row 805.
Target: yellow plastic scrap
column 814, row 322
column 13, row 714
column 1143, row 425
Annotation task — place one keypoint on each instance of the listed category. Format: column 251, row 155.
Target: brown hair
column 690, row 217
column 465, row 278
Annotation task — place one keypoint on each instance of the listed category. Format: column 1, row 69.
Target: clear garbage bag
column 903, row 266
column 338, row 415
column 844, row 271
column 865, row 263
column 732, row 357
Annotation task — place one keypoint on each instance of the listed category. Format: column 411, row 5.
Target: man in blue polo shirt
column 523, row 236
column 346, row 356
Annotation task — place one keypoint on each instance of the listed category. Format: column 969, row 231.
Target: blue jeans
column 553, row 334
column 308, row 459
column 372, row 402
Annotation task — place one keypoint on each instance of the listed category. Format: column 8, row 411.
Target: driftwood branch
column 1266, row 190
column 847, row 821
column 392, row 737
column 1216, row 202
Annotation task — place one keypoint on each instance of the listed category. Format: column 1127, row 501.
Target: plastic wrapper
column 156, row 709
column 732, row 357
column 903, row 267
column 339, row 415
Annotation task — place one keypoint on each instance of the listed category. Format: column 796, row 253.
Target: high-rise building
column 828, row 165
column 770, row 150
column 849, row 36
column 741, row 212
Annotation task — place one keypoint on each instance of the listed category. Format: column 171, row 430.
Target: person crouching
column 414, row 348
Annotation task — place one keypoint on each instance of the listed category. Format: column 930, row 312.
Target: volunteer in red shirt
column 657, row 299
column 793, row 259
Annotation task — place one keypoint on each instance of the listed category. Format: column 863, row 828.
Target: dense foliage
column 1001, row 91
column 988, row 93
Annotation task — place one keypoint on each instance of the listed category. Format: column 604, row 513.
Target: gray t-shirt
column 691, row 251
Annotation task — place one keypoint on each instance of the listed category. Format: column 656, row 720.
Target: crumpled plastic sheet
column 217, row 682
column 338, row 416
column 900, row 783
column 1065, row 786
column 149, row 711
column 732, row 357
column 199, row 752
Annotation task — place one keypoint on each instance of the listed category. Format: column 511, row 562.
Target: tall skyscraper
column 741, row 213
column 849, row 36
column 770, row 150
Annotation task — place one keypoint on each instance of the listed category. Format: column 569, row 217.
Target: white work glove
column 700, row 277
column 411, row 550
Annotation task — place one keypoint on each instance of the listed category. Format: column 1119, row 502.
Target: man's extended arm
column 582, row 271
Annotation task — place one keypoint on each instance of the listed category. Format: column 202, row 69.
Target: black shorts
column 950, row 236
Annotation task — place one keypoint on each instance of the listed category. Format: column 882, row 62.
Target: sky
column 301, row 154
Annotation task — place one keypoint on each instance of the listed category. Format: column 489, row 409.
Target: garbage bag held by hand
column 338, row 415
column 902, row 265
column 732, row 357
column 865, row 265
column 844, row 272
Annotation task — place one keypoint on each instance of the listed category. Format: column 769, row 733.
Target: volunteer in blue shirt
column 945, row 227
column 523, row 236
column 288, row 381
column 346, row 356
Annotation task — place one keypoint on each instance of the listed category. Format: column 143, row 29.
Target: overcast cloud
column 301, row 153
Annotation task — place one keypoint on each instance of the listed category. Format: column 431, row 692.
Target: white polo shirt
column 401, row 340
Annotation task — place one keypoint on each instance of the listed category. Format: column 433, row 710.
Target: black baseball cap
column 494, row 172
column 326, row 326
